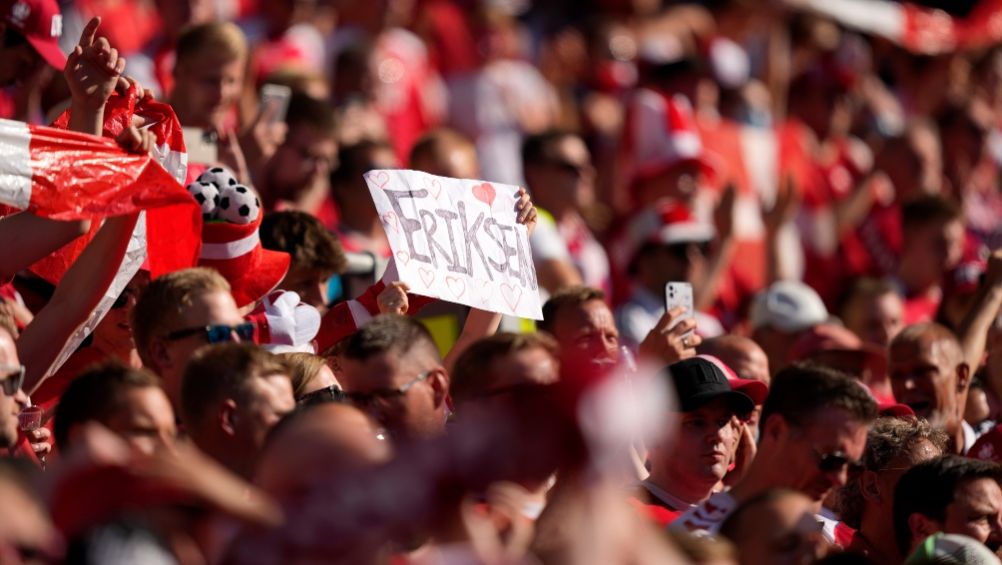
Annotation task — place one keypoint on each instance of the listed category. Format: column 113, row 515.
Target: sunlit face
column 269, row 399
column 587, row 329
column 207, row 88
column 209, row 308
column 976, row 511
column 567, row 174
column 9, row 405
column 831, row 430
column 306, row 157
column 702, row 449
column 876, row 320
column 924, row 376
column 414, row 413
column 145, row 419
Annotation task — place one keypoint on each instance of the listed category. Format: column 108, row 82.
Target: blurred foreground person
column 778, row 527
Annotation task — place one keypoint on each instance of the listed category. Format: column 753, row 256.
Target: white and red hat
column 41, row 23
column 285, row 324
column 668, row 223
column 661, row 134
column 235, row 251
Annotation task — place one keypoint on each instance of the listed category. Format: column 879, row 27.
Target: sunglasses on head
column 836, row 461
column 217, row 333
column 13, row 379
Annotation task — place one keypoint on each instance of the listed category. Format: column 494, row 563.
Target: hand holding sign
column 464, row 241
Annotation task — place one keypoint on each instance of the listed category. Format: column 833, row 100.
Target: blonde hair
column 302, row 368
column 218, row 38
column 162, row 302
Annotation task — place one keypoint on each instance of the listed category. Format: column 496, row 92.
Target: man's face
column 568, row 174
column 415, row 413
column 9, row 405
column 938, row 247
column 676, row 262
column 830, row 431
column 210, row 86
column 209, row 308
column 976, row 511
column 305, row 158
column 924, row 377
column 706, row 438
column 876, row 320
column 114, row 333
column 269, row 399
column 588, row 329
column 145, row 419
column 309, row 284
column 782, row 531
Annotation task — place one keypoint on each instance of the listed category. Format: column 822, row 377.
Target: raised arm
column 28, row 238
column 973, row 331
column 75, row 298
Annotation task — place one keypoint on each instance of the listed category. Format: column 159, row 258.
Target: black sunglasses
column 836, row 461
column 13, row 379
column 331, row 393
column 217, row 333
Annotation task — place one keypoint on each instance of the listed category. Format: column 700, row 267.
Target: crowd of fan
column 832, row 198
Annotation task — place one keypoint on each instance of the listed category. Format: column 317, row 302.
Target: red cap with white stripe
column 235, row 251
column 41, row 23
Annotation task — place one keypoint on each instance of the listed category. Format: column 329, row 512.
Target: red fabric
column 921, row 308
column 48, row 393
column 173, row 220
column 844, row 535
column 339, row 323
column 657, row 514
column 253, row 274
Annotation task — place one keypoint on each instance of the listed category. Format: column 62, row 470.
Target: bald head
column 933, row 335
column 316, row 444
column 741, row 354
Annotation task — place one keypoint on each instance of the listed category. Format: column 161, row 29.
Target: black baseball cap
column 698, row 381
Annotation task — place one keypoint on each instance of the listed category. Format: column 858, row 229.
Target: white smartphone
column 201, row 145
column 680, row 294
column 279, row 96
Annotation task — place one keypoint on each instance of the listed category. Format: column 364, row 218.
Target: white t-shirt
column 706, row 519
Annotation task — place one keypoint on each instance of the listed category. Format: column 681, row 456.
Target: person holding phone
column 669, row 246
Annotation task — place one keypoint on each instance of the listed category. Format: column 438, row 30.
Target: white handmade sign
column 458, row 240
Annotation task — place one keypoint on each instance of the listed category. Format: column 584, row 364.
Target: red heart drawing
column 382, row 178
column 404, row 257
column 512, row 295
column 434, row 188
column 391, row 221
column 427, row 276
column 485, row 193
column 456, row 285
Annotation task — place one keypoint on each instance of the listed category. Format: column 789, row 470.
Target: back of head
column 352, row 162
column 888, row 440
column 536, row 147
column 95, row 395
column 929, row 487
column 570, row 296
column 221, row 39
column 305, row 239
column 222, row 371
column 736, row 526
column 164, row 300
column 474, row 374
column 800, row 392
column 444, row 152
column 390, row 333
column 302, row 368
column 307, row 111
column 929, row 210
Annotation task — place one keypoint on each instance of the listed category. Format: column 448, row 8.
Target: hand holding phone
column 680, row 294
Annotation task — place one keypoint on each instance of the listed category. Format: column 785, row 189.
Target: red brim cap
column 756, row 390
column 895, row 410
column 49, row 50
column 266, row 270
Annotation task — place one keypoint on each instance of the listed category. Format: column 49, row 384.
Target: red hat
column 669, row 223
column 756, row 390
column 235, row 251
column 892, row 409
column 41, row 24
column 661, row 134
